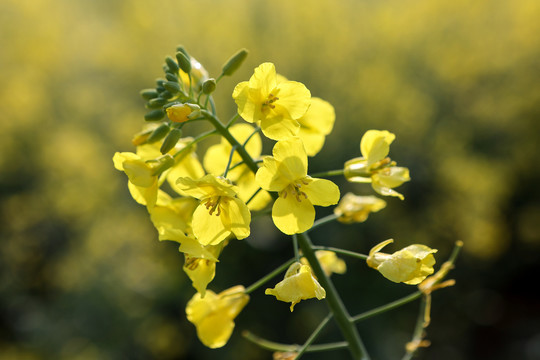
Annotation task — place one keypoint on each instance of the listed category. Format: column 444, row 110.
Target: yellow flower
column 286, row 173
column 201, row 271
column 220, row 213
column 217, row 157
column 353, row 208
column 330, row 263
column 276, row 107
column 316, row 124
column 179, row 113
column 298, row 284
column 214, row 315
column 142, row 174
column 375, row 167
column 409, row 265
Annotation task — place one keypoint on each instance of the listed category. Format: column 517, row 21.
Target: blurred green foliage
column 82, row 273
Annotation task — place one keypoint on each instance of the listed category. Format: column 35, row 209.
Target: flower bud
column 357, row 170
column 156, row 103
column 173, row 66
column 179, row 113
column 181, row 49
column 154, row 115
column 171, row 77
column 142, row 137
column 209, row 86
column 172, row 87
column 148, row 94
column 352, row 208
column 234, row 62
column 183, row 62
column 171, row 140
column 158, row 134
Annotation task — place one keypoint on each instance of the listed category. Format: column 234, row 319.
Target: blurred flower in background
column 82, row 273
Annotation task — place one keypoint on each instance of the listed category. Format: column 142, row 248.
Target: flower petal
column 279, row 127
column 292, row 156
column 294, row 98
column 208, row 229
column 375, row 145
column 292, row 216
column 235, row 217
column 322, row 192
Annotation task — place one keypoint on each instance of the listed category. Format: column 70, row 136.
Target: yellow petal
column 293, row 98
column 208, row 229
column 264, row 78
column 235, row 217
column 201, row 272
column 279, row 127
column 269, row 177
column 292, row 216
column 292, row 158
column 375, row 145
column 321, row 192
column 248, row 108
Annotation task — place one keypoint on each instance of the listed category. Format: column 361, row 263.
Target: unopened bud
column 156, row 103
column 171, row 77
column 179, row 113
column 158, row 133
column 183, row 62
column 209, row 86
column 181, row 49
column 148, row 94
column 173, row 66
column 171, row 140
column 172, row 87
column 161, row 164
column 234, row 62
column 154, row 115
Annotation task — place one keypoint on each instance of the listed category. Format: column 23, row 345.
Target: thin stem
column 256, row 130
column 229, row 162
column 418, row 335
column 274, row 346
column 196, row 140
column 253, row 196
column 313, row 336
column 269, row 276
column 343, row 319
column 232, row 140
column 232, row 121
column 328, row 173
column 295, row 247
column 324, row 220
column 212, row 104
column 390, row 306
column 342, row 252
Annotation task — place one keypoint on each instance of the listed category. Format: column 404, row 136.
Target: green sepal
column 209, row 86
column 172, row 87
column 234, row 62
column 173, row 66
column 183, row 62
column 171, row 140
column 156, row 103
column 154, row 115
column 148, row 94
column 158, row 134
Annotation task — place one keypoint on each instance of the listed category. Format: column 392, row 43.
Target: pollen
column 212, row 204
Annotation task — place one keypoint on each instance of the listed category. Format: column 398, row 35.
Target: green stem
column 324, row 220
column 229, row 162
column 274, row 346
column 253, row 196
column 232, row 121
column 383, row 308
column 295, row 247
column 328, row 173
column 313, row 336
column 231, row 139
column 342, row 252
column 343, row 319
column 269, row 276
column 418, row 330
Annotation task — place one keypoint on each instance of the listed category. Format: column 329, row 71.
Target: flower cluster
column 205, row 205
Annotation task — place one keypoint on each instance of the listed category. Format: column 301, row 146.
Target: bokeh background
column 82, row 275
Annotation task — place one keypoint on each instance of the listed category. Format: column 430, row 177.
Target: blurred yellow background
column 82, row 273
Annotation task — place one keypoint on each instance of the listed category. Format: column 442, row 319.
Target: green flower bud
column 171, row 77
column 173, row 66
column 181, row 49
column 184, row 62
column 209, row 86
column 171, row 140
column 148, row 94
column 156, row 103
column 172, row 87
column 234, row 62
column 158, row 134
column 154, row 115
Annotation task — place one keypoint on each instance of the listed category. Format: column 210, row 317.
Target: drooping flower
column 214, row 315
column 409, row 265
column 274, row 106
column 217, row 157
column 329, row 261
column 220, row 213
column 374, row 167
column 298, row 284
column 286, row 173
column 353, row 208
column 142, row 174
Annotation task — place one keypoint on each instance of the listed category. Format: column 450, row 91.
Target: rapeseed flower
column 353, row 208
column 286, row 173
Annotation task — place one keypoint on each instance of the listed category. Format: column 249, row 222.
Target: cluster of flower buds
column 203, row 205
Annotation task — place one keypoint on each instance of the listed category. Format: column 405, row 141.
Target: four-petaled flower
column 276, row 107
column 220, row 213
column 409, row 265
column 286, row 173
column 374, row 167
